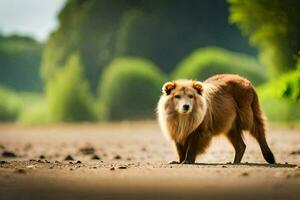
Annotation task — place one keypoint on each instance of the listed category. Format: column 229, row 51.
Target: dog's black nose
column 186, row 107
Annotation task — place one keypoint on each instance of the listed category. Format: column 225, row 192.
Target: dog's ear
column 197, row 85
column 168, row 87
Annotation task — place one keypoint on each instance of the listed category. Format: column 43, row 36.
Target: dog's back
column 235, row 107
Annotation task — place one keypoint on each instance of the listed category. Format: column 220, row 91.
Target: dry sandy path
column 132, row 165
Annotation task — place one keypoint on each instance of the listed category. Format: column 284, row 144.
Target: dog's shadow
column 278, row 165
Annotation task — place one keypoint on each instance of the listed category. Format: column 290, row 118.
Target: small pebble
column 78, row 162
column 8, row 154
column 245, row 174
column 3, row 161
column 40, row 161
column 42, row 157
column 70, row 162
column 95, row 157
column 20, row 171
column 297, row 175
column 57, row 162
column 112, row 169
column 122, row 167
column 87, row 150
column 144, row 149
column 223, row 166
column 117, row 157
column 295, row 152
column 69, row 157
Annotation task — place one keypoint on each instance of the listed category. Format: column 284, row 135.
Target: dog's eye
column 191, row 96
column 177, row 96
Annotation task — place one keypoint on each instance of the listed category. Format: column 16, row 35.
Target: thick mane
column 176, row 126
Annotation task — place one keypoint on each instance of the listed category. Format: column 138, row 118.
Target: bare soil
column 129, row 161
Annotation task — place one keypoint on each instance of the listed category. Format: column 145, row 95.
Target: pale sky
column 36, row 18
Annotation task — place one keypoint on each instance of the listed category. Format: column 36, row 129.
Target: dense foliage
column 273, row 26
column 281, row 97
column 19, row 62
column 129, row 89
column 205, row 62
column 110, row 46
column 68, row 97
column 101, row 30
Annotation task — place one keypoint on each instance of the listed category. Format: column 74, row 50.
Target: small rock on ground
column 95, row 157
column 69, row 157
column 245, row 174
column 87, row 150
column 20, row 171
column 8, row 154
column 117, row 157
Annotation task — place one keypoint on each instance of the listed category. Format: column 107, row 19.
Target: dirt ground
column 129, row 161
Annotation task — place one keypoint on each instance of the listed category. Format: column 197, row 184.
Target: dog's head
column 184, row 95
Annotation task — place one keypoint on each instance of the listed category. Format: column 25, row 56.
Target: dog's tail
column 258, row 130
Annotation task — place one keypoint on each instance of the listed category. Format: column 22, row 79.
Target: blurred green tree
column 129, row 89
column 273, row 26
column 206, row 62
column 101, row 30
column 68, row 97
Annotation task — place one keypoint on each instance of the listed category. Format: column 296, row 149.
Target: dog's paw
column 187, row 162
column 173, row 162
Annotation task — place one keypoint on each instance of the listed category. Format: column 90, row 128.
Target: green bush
column 35, row 113
column 281, row 109
column 68, row 97
column 21, row 106
column 205, row 62
column 10, row 104
column 287, row 86
column 280, row 98
column 129, row 89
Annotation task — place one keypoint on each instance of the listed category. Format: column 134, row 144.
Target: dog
column 190, row 113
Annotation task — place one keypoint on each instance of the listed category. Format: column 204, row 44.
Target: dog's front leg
column 191, row 149
column 196, row 143
column 181, row 151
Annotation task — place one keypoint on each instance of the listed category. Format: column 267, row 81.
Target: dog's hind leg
column 235, row 137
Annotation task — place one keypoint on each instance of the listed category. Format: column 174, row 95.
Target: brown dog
column 190, row 113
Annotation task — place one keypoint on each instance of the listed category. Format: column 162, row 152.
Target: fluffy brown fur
column 190, row 113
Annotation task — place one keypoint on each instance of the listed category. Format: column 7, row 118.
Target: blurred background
column 106, row 60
